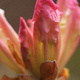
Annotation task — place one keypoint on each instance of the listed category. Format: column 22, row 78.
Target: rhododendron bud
column 44, row 45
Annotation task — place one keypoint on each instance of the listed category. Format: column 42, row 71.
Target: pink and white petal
column 65, row 20
column 6, row 48
column 7, row 58
column 72, row 38
column 9, row 31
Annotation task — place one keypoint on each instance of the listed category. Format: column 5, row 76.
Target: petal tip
column 1, row 11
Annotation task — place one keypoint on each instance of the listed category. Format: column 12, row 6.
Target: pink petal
column 70, row 31
column 26, row 41
column 46, row 29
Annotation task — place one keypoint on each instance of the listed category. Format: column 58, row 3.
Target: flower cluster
column 43, row 48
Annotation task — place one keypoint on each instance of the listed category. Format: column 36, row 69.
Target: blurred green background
column 24, row 8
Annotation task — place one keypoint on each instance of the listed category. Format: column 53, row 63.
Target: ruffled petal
column 46, row 30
